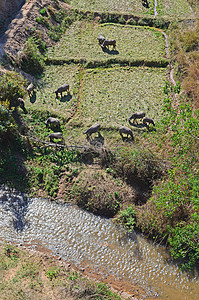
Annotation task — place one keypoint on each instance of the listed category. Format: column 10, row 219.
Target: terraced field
column 121, row 6
column 174, row 9
column 134, row 43
column 45, row 99
column 167, row 8
column 110, row 96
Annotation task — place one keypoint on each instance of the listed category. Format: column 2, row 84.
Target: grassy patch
column 45, row 98
column 110, row 96
column 133, row 43
column 175, row 8
column 29, row 275
column 123, row 6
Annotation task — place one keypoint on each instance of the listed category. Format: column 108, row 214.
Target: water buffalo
column 52, row 121
column 61, row 89
column 30, row 89
column 56, row 136
column 127, row 131
column 101, row 39
column 94, row 128
column 138, row 115
column 148, row 120
column 145, row 3
column 109, row 43
column 21, row 103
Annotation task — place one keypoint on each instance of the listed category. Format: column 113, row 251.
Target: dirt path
column 21, row 27
column 155, row 8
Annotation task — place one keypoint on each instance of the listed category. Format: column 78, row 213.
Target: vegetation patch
column 185, row 50
column 45, row 97
column 133, row 43
column 172, row 213
column 122, row 6
column 110, row 96
column 99, row 192
column 30, row 275
column 175, row 9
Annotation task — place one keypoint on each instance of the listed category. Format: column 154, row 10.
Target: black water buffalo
column 127, row 131
column 137, row 115
column 56, row 136
column 94, row 128
column 101, row 39
column 30, row 89
column 20, row 102
column 147, row 121
column 108, row 43
column 61, row 89
column 52, row 121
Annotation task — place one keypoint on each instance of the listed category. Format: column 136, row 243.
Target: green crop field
column 133, row 43
column 118, row 6
column 45, row 98
column 174, row 8
column 168, row 8
column 110, row 96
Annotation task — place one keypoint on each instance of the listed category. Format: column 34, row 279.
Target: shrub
column 31, row 60
column 52, row 273
column 11, row 87
column 43, row 12
column 7, row 123
column 127, row 217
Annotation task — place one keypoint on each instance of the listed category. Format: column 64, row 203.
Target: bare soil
column 24, row 22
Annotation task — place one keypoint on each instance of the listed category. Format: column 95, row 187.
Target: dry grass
column 33, row 275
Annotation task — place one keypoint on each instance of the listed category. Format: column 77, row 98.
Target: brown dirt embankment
column 23, row 24
column 8, row 8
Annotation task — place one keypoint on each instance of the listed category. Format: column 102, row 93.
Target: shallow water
column 94, row 242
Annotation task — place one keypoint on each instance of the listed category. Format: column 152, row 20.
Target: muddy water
column 93, row 242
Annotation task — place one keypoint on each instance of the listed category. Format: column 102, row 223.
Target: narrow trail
column 166, row 46
column 155, row 8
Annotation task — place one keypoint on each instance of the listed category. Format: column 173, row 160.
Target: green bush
column 7, row 123
column 43, row 12
column 11, row 87
column 175, row 203
column 52, row 273
column 127, row 218
column 31, row 60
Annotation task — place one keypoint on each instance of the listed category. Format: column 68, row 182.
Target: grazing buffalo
column 108, row 43
column 52, row 121
column 127, row 131
column 148, row 120
column 94, row 128
column 30, row 89
column 21, row 103
column 145, row 3
column 61, row 89
column 138, row 115
column 56, row 136
column 101, row 39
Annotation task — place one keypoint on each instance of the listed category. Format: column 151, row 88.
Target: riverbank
column 150, row 182
column 36, row 273
column 95, row 246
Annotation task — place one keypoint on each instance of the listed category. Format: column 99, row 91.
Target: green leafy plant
column 52, row 273
column 127, row 217
column 11, row 88
column 31, row 60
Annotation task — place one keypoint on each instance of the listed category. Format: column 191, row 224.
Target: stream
column 94, row 242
